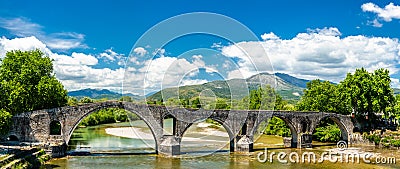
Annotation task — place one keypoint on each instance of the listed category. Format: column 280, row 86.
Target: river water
column 199, row 147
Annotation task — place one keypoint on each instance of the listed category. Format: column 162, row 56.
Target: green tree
column 5, row 121
column 72, row 101
column 126, row 99
column 368, row 92
column 86, row 100
column 28, row 83
column 196, row 103
column 263, row 98
column 322, row 96
column 221, row 104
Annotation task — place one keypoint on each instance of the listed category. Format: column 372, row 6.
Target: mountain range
column 287, row 86
column 100, row 94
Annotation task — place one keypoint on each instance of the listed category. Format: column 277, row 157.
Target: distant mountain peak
column 100, row 93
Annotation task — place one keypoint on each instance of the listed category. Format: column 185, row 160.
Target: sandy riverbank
column 138, row 133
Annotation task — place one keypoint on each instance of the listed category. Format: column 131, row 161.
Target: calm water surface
column 197, row 153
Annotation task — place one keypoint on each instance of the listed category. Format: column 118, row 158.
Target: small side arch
column 292, row 128
column 55, row 127
column 13, row 138
column 343, row 128
column 227, row 128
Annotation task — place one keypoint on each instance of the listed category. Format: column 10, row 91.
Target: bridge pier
column 170, row 145
column 304, row 141
column 244, row 144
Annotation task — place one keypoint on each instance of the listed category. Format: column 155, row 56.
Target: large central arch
column 141, row 111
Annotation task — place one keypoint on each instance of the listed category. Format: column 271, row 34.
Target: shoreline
column 138, row 133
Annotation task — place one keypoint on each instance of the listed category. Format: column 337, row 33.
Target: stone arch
column 293, row 129
column 345, row 131
column 140, row 111
column 55, row 127
column 226, row 127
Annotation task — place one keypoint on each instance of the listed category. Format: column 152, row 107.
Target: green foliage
column 196, row 103
column 126, row 99
column 329, row 133
column 5, row 121
column 104, row 116
column 396, row 107
column 395, row 143
column 86, row 100
column 27, row 83
column 368, row 92
column 262, row 99
column 221, row 104
column 374, row 138
column 72, row 101
column 322, row 96
column 277, row 126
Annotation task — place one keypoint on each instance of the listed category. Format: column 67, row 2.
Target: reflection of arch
column 55, row 128
column 71, row 130
column 342, row 127
column 12, row 138
column 292, row 128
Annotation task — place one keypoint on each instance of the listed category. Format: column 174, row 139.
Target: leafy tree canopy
column 27, row 83
column 322, row 96
column 367, row 92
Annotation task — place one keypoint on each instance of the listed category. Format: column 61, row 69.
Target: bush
column 374, row 138
column 395, row 143
column 330, row 133
column 277, row 126
column 104, row 116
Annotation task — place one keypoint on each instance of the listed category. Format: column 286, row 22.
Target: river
column 199, row 147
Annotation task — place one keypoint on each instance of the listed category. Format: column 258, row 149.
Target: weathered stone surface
column 241, row 125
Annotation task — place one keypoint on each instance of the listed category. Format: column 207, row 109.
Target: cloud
column 269, row 36
column 388, row 13
column 74, row 71
column 140, row 51
column 375, row 23
column 20, row 26
column 77, row 71
column 23, row 27
column 318, row 53
column 111, row 55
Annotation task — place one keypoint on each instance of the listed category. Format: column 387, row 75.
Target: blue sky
column 95, row 43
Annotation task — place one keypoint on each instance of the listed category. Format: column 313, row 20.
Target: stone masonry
column 241, row 125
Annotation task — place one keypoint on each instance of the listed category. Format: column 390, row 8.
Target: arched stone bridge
column 241, row 125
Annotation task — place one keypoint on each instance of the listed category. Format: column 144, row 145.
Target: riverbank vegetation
column 385, row 139
column 110, row 115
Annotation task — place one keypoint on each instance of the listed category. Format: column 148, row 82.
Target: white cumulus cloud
column 318, row 53
column 74, row 71
column 388, row 13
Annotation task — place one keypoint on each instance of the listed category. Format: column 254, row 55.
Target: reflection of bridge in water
column 241, row 125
